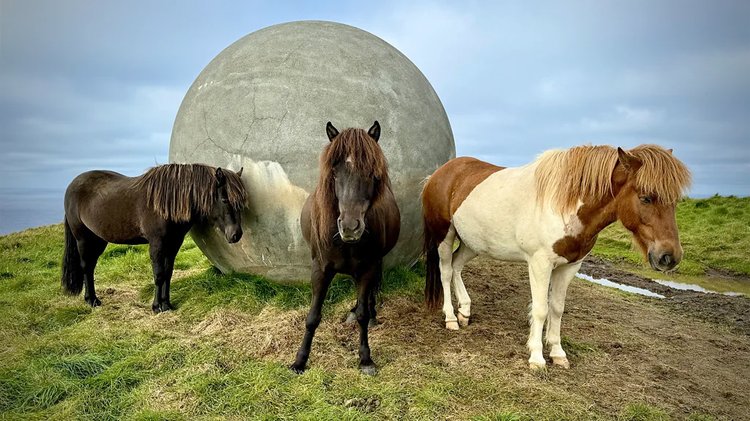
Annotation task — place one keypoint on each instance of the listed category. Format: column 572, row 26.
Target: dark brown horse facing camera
column 351, row 221
column 157, row 208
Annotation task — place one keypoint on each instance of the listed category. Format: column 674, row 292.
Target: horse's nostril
column 666, row 260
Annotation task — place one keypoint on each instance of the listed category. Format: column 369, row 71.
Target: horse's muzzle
column 662, row 262
column 351, row 232
column 234, row 236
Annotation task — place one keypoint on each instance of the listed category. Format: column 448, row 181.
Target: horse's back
column 105, row 203
column 448, row 187
column 86, row 186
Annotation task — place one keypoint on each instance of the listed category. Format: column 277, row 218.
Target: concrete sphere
column 263, row 104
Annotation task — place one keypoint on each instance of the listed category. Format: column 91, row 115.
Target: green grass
column 714, row 232
column 643, row 412
column 60, row 359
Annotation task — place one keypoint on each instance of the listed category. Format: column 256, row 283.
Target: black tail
column 433, row 287
column 72, row 273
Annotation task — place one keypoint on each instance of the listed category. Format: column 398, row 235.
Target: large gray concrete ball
column 263, row 104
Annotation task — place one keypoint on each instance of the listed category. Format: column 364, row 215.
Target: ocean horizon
column 21, row 209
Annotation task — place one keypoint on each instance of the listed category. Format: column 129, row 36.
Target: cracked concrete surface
column 263, row 103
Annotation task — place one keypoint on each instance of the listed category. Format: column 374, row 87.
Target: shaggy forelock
column 563, row 177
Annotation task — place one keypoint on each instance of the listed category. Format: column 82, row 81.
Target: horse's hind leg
column 460, row 258
column 90, row 247
column 371, row 302
column 445, row 251
column 561, row 277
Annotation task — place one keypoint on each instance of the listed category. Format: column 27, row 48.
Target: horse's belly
column 496, row 240
column 113, row 231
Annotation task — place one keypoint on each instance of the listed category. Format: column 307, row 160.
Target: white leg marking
column 460, row 258
column 445, row 251
column 561, row 277
column 539, row 276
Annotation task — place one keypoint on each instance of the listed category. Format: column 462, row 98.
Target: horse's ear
column 220, row 177
column 374, row 131
column 331, row 131
column 630, row 162
column 670, row 151
column 239, row 173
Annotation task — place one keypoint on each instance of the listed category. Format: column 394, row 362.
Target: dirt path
column 622, row 347
column 731, row 311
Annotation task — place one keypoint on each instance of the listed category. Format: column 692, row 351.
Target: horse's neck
column 596, row 216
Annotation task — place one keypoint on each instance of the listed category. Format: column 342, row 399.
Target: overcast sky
column 97, row 84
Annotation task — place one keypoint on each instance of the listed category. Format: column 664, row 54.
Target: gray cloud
column 87, row 84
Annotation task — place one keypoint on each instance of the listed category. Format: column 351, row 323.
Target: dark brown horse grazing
column 350, row 222
column 547, row 213
column 157, row 208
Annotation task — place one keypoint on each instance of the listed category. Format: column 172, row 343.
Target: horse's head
column 225, row 213
column 647, row 199
column 354, row 188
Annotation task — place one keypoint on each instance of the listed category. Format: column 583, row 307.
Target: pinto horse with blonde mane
column 351, row 221
column 157, row 208
column 547, row 213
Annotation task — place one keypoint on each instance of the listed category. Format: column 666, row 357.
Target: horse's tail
column 72, row 273
column 433, row 286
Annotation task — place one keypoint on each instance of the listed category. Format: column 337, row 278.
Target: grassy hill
column 223, row 352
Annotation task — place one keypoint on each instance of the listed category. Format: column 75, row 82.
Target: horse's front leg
column 540, row 269
column 561, row 277
column 170, row 250
column 162, row 263
column 367, row 282
column 321, row 280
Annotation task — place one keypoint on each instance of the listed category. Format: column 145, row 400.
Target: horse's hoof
column 160, row 308
column 372, row 323
column 536, row 366
column 351, row 318
column 93, row 302
column 561, row 361
column 369, row 370
column 296, row 369
column 451, row 325
column 462, row 320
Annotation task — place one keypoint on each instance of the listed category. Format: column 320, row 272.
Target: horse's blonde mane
column 563, row 177
column 177, row 191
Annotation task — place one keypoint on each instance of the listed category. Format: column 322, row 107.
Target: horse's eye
column 224, row 200
column 646, row 200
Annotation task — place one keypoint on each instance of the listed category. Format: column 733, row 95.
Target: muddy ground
column 688, row 354
column 731, row 311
